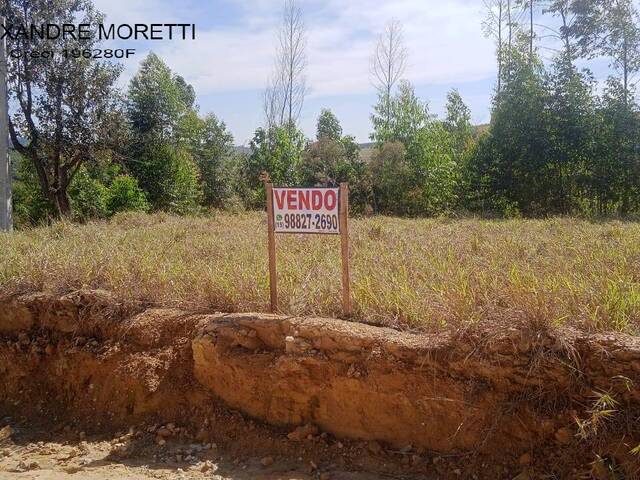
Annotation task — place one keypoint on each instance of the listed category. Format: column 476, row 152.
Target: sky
column 232, row 57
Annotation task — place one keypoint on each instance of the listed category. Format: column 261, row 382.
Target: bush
column 30, row 206
column 169, row 177
column 125, row 195
column 88, row 197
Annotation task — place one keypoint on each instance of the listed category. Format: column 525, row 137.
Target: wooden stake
column 273, row 277
column 344, row 244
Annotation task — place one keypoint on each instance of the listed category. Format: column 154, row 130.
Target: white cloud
column 444, row 40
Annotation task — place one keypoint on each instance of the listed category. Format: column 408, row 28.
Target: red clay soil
column 502, row 404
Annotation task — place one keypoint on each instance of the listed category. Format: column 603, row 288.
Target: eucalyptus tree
column 285, row 93
column 388, row 64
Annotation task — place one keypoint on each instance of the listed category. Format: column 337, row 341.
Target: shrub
column 125, row 195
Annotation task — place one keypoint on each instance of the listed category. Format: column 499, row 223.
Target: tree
column 388, row 64
column 528, row 7
column 66, row 111
column 571, row 130
column 333, row 159
column 493, row 26
column 124, row 195
column 284, row 96
column 616, row 170
column 622, row 41
column 170, row 178
column 274, row 151
column 509, row 165
column 408, row 115
column 328, row 126
column 458, row 122
column 566, row 11
column 211, row 146
column 392, row 179
column 435, row 170
column 166, row 136
column 156, row 101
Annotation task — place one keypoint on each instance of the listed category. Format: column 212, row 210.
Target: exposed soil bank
column 513, row 394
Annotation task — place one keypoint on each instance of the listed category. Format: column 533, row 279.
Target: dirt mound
column 562, row 402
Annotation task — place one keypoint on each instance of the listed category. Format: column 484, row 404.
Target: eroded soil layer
column 559, row 402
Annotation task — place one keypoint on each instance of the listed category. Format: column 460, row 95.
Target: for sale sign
column 306, row 210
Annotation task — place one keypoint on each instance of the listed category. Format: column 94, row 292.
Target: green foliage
column 125, row 195
column 211, row 145
column 169, row 176
column 276, row 151
column 88, row 197
column 507, row 171
column 65, row 112
column 458, row 123
column 328, row 126
column 156, row 100
column 436, row 171
column 554, row 148
column 422, row 179
column 392, row 179
column 329, row 162
column 30, row 206
column 408, row 115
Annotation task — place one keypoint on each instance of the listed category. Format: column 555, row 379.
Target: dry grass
column 427, row 273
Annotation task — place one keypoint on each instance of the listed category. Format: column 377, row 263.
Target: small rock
column 415, row 459
column 325, row 476
column 6, row 432
column 160, row 441
column 266, row 461
column 49, row 349
column 20, row 467
column 206, row 466
column 71, row 469
column 164, row 432
column 457, row 471
column 34, row 466
column 300, row 433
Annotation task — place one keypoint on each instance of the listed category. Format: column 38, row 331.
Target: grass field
column 425, row 273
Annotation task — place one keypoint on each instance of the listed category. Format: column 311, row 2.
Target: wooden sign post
column 308, row 210
column 344, row 248
column 273, row 277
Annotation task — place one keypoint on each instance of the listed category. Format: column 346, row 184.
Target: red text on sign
column 306, row 199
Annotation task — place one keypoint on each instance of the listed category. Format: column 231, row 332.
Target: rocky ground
column 154, row 452
column 92, row 390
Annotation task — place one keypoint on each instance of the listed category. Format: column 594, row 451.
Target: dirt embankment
column 560, row 402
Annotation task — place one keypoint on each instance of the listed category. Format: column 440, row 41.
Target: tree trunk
column 62, row 204
column 530, row 32
column 499, row 47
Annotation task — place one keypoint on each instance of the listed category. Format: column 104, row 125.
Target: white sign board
column 306, row 210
